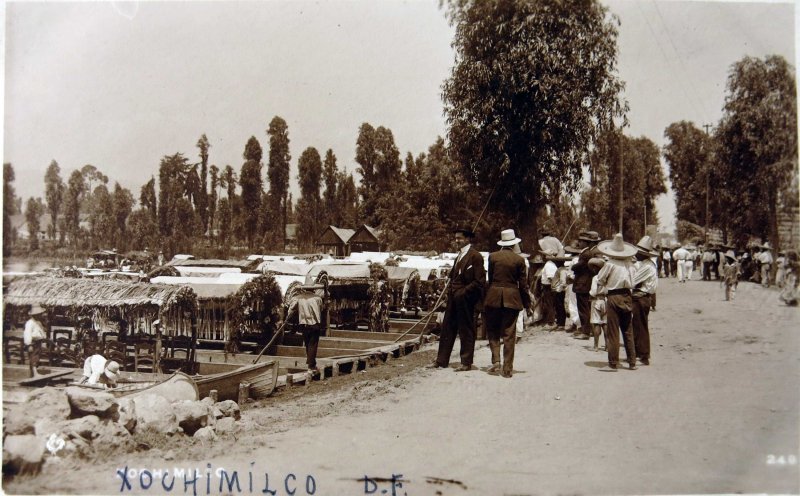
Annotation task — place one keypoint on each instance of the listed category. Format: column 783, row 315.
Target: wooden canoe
column 175, row 387
column 262, row 377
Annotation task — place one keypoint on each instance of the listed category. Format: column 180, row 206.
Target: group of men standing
column 502, row 299
column 626, row 275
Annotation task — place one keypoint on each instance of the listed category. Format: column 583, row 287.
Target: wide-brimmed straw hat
column 551, row 246
column 312, row 286
column 730, row 254
column 36, row 310
column 591, row 236
column 617, row 248
column 112, row 370
column 645, row 245
column 508, row 238
column 572, row 249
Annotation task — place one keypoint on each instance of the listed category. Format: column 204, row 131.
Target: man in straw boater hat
column 465, row 290
column 645, row 284
column 506, row 295
column 583, row 280
column 616, row 277
column 32, row 337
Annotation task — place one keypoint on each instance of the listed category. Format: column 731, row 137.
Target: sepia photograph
column 400, row 247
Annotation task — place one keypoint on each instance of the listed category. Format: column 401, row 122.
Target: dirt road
column 715, row 412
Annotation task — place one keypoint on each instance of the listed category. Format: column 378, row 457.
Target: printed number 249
column 781, row 460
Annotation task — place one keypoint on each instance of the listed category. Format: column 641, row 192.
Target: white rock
column 229, row 408
column 191, row 415
column 127, row 414
column 90, row 402
column 205, row 434
column 23, row 454
column 226, row 425
column 154, row 413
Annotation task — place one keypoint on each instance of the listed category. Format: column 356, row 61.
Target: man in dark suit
column 506, row 295
column 465, row 290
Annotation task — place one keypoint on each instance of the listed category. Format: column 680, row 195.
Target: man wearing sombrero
column 583, row 280
column 506, row 295
column 616, row 277
column 465, row 290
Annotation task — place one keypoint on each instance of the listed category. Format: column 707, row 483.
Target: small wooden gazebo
column 334, row 240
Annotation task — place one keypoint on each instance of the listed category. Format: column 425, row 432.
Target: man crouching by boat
column 99, row 371
column 306, row 310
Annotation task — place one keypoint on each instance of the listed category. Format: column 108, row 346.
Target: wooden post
column 244, row 392
column 157, row 352
column 193, row 346
column 214, row 395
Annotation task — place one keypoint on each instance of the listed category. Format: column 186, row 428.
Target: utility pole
column 621, row 146
column 708, row 172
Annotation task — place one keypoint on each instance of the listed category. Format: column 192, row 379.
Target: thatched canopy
column 71, row 292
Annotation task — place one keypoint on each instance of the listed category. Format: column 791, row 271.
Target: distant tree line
column 535, row 118
column 739, row 176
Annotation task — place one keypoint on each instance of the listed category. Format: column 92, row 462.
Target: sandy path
column 712, row 414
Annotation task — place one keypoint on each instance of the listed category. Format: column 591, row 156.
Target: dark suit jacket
column 507, row 286
column 468, row 277
column 583, row 273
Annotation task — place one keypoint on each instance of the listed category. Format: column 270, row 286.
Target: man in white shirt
column 645, row 283
column 548, row 298
column 765, row 259
column 681, row 255
column 98, row 370
column 32, row 337
column 307, row 308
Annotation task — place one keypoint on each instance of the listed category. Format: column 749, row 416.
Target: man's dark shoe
column 645, row 361
column 507, row 375
column 632, row 366
column 434, row 365
column 494, row 368
column 464, row 368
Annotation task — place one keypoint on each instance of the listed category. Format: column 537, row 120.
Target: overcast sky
column 120, row 85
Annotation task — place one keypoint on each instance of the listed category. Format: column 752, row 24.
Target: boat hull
column 262, row 377
column 175, row 387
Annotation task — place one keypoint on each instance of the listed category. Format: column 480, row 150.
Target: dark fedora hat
column 467, row 232
column 589, row 236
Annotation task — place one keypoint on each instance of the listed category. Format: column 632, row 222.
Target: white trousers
column 681, row 270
